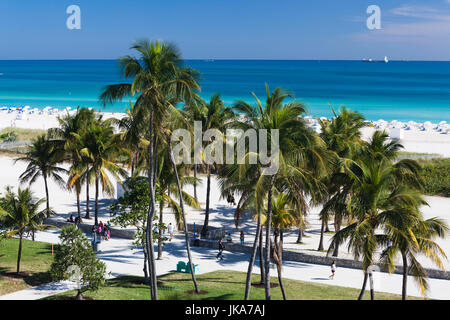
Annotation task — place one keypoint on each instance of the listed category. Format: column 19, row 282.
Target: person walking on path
column 221, row 247
column 333, row 269
column 242, row 237
column 170, row 229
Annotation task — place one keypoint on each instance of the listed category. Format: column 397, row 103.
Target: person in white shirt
column 170, row 229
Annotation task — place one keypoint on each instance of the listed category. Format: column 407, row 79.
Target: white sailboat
column 386, row 60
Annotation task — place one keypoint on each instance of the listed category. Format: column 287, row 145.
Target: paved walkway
column 122, row 258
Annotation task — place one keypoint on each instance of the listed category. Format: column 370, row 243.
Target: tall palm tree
column 69, row 125
column 342, row 136
column 377, row 197
column 21, row 212
column 132, row 136
column 168, row 189
column 411, row 236
column 284, row 117
column 101, row 148
column 213, row 115
column 157, row 77
column 43, row 158
column 284, row 217
column 241, row 179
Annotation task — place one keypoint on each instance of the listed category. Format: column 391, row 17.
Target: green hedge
column 436, row 176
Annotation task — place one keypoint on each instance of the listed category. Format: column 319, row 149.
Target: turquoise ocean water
column 402, row 90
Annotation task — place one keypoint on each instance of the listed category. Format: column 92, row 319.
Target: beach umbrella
column 442, row 123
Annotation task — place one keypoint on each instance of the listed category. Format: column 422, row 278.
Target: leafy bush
column 75, row 257
column 436, row 176
column 9, row 136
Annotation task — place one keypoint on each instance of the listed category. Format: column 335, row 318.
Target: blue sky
column 233, row 29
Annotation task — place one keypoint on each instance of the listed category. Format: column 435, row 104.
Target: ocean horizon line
column 233, row 59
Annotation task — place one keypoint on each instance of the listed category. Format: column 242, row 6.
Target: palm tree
column 213, row 115
column 43, row 157
column 377, row 197
column 69, row 125
column 342, row 136
column 157, row 78
column 21, row 213
column 167, row 184
column 284, row 217
column 285, row 119
column 101, row 148
column 411, row 236
column 241, row 179
column 132, row 134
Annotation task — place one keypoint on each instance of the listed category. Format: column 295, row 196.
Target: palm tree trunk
column 161, row 206
column 19, row 254
column 280, row 264
column 188, row 248
column 252, row 259
column 79, row 295
column 322, row 229
column 363, row 289
column 145, row 269
column 405, row 276
column 195, row 182
column 268, row 232
column 96, row 199
column 46, row 194
column 327, row 229
column 261, row 256
column 208, row 192
column 372, row 292
column 87, row 216
column 150, row 215
column 337, row 227
column 133, row 159
column 300, row 234
column 77, row 191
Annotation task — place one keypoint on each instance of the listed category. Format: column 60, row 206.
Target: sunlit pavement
column 122, row 258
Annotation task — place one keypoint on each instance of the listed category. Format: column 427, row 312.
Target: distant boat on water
column 385, row 60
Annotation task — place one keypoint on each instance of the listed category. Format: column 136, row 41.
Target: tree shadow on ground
column 31, row 279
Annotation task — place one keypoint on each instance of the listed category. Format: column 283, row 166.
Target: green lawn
column 34, row 265
column 219, row 285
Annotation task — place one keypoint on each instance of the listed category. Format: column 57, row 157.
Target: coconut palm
column 101, row 148
column 157, row 76
column 377, row 197
column 43, row 157
column 241, row 179
column 212, row 115
column 69, row 125
column 168, row 189
column 284, row 118
column 132, row 129
column 20, row 213
column 284, row 217
column 342, row 136
column 411, row 236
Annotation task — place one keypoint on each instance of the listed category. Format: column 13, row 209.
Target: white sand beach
column 427, row 137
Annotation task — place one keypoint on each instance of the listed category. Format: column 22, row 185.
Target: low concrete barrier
column 115, row 232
